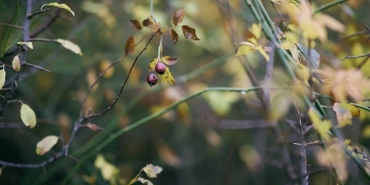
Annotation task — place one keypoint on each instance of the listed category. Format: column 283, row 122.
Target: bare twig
column 37, row 67
column 39, row 12
column 11, row 25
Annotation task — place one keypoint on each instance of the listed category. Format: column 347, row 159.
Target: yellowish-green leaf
column 280, row 105
column 46, row 144
column 263, row 53
column 152, row 171
column 244, row 49
column 101, row 10
column 29, row 44
column 2, row 77
column 70, row 46
column 64, row 6
column 28, row 116
column 152, row 64
column 302, row 73
column 109, row 172
column 355, row 112
column 16, row 63
column 221, row 102
column 322, row 126
column 168, row 77
column 256, row 29
column 169, row 60
column 366, row 132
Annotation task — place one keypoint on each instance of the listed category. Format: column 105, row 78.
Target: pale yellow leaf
column 263, row 53
column 108, row 171
column 70, row 46
column 64, row 6
column 331, row 23
column 152, row 171
column 244, row 49
column 322, row 126
column 152, row 64
column 144, row 181
column 16, row 63
column 28, row 116
column 2, row 77
column 46, row 144
column 280, row 105
column 256, row 29
column 29, row 44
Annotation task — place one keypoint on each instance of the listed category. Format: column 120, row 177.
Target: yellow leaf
column 152, row 171
column 70, row 46
column 322, row 126
column 46, row 144
column 355, row 112
column 331, row 23
column 29, row 44
column 2, row 77
column 64, row 6
column 152, row 64
column 256, row 29
column 168, row 77
column 221, row 102
column 302, row 73
column 280, row 105
column 244, row 49
column 28, row 116
column 366, row 132
column 16, row 63
column 108, row 171
column 343, row 115
column 263, row 53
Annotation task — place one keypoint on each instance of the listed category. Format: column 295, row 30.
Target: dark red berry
column 160, row 68
column 152, row 79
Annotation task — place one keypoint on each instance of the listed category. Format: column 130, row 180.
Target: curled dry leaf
column 92, row 126
column 178, row 17
column 130, row 45
column 174, row 36
column 169, row 60
column 64, row 6
column 2, row 77
column 136, row 24
column 189, row 32
column 168, row 77
column 152, row 171
column 16, row 63
column 29, row 44
column 70, row 46
column 144, row 181
column 46, row 144
column 28, row 116
column 147, row 22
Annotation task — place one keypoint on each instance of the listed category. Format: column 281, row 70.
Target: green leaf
column 28, row 116
column 70, row 46
column 46, row 144
column 64, row 6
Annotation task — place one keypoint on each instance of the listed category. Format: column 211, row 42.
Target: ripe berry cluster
column 152, row 78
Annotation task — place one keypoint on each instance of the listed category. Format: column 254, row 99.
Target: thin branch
column 243, row 124
column 39, row 12
column 42, row 40
column 363, row 32
column 327, row 6
column 38, row 165
column 357, row 56
column 37, row 67
column 11, row 25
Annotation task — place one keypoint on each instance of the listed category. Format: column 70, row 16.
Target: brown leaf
column 174, row 36
column 92, row 126
column 130, row 45
column 156, row 27
column 147, row 22
column 178, row 17
column 136, row 24
column 189, row 32
column 169, row 60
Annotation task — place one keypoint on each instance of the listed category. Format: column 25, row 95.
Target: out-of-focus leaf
column 29, row 44
column 343, row 114
column 104, row 65
column 174, row 36
column 101, row 10
column 331, row 23
column 189, row 32
column 355, row 112
column 144, row 181
column 147, row 22
column 109, row 172
column 263, row 53
column 244, row 49
column 366, row 132
column 156, row 27
column 70, row 46
column 168, row 77
column 130, row 45
column 46, row 144
column 280, row 105
column 251, row 158
column 302, row 73
column 92, row 126
column 16, row 63
column 178, row 17
column 152, row 171
column 322, row 126
column 256, row 29
column 2, row 77
column 152, row 64
column 221, row 102
column 28, row 116
column 169, row 60
column 64, row 6
column 136, row 24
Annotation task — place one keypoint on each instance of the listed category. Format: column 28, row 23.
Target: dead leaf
column 136, row 24
column 169, row 60
column 189, row 32
column 174, row 36
column 130, row 45
column 92, row 126
column 147, row 22
column 178, row 17
column 46, row 144
column 152, row 171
